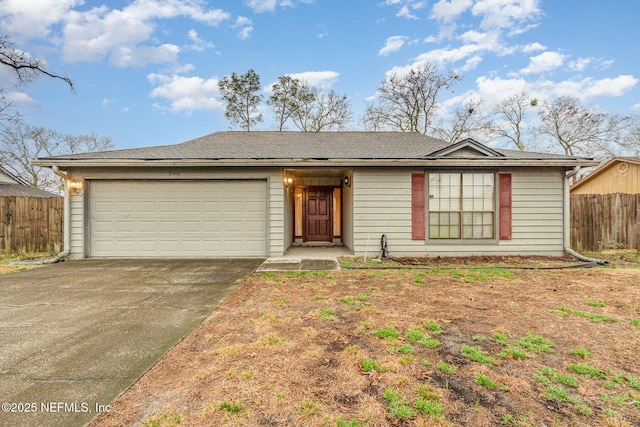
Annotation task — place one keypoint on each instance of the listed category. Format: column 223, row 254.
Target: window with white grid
column 461, row 205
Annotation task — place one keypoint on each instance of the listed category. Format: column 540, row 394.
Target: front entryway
column 317, row 214
column 318, row 208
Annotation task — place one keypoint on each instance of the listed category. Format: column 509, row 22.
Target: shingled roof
column 282, row 148
column 19, row 190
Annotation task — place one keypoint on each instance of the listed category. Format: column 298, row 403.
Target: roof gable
column 616, row 161
column 7, row 177
column 466, row 148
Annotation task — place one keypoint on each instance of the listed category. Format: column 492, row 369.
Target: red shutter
column 418, row 206
column 504, row 185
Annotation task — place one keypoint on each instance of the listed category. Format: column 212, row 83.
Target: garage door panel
column 125, row 226
column 177, row 218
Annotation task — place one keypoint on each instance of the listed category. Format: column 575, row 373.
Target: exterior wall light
column 75, row 187
column 347, row 183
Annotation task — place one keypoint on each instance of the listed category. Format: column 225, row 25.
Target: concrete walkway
column 75, row 335
column 307, row 258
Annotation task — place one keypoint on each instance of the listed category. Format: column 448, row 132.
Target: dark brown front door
column 318, row 202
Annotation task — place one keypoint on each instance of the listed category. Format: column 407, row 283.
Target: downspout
column 67, row 226
column 567, row 222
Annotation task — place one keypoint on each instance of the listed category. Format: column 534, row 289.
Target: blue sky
column 146, row 71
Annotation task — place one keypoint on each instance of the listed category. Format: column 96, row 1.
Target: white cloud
column 489, row 38
column 472, row 63
column 580, row 64
column 533, row 47
column 636, row 106
column 406, row 7
column 610, row 87
column 145, row 55
column 100, row 32
column 106, row 102
column 321, row 79
column 198, row 45
column 21, row 99
column 546, row 61
column 186, row 93
column 505, row 13
column 33, row 18
column 494, row 90
column 404, row 12
column 444, row 56
column 261, row 6
column 393, row 44
column 448, row 11
column 245, row 27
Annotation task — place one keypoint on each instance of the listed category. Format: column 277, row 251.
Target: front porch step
column 289, row 264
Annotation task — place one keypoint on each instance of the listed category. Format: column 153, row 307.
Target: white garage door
column 178, row 218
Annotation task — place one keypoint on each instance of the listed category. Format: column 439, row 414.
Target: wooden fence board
column 31, row 224
column 600, row 221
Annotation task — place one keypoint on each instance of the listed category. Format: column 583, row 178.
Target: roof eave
column 440, row 162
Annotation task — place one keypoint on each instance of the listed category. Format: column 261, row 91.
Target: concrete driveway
column 73, row 336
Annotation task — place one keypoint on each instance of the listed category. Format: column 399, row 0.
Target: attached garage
column 177, row 218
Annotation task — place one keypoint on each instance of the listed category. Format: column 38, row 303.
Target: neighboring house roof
column 8, row 177
column 311, row 148
column 608, row 165
column 19, row 190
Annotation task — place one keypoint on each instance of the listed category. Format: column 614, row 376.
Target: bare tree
column 21, row 144
column 466, row 122
column 317, row 111
column 579, row 130
column 407, row 102
column 630, row 143
column 240, row 93
column 510, row 116
column 26, row 69
column 8, row 115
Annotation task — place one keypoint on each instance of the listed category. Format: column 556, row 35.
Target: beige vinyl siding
column 382, row 205
column 275, row 197
column 289, row 201
column 77, row 226
column 347, row 213
column 276, row 215
column 537, row 213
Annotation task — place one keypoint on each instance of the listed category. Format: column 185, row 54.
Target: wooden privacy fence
column 605, row 221
column 31, row 224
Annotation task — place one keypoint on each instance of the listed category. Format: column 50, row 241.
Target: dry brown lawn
column 6, row 267
column 294, row 348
